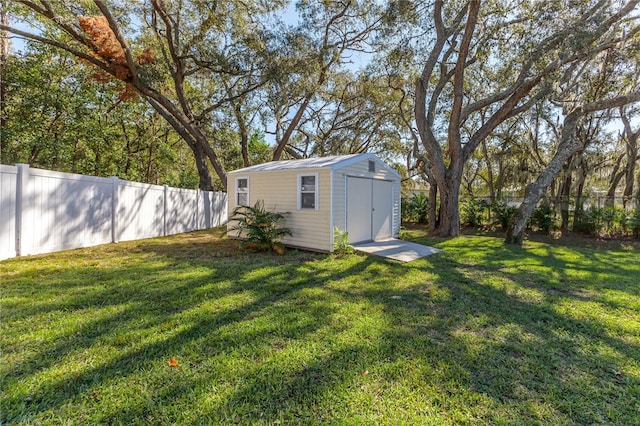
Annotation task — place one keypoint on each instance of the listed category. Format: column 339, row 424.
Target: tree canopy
column 474, row 97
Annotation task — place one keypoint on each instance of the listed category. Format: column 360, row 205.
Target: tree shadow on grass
column 223, row 295
column 557, row 267
column 529, row 362
column 305, row 339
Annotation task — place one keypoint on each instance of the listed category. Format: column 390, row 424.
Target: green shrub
column 583, row 222
column 419, row 207
column 634, row 222
column 341, row 244
column 614, row 220
column 472, row 212
column 608, row 218
column 259, row 227
column 596, row 219
column 543, row 218
column 406, row 211
column 504, row 213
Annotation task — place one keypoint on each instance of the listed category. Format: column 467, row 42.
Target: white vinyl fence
column 43, row 211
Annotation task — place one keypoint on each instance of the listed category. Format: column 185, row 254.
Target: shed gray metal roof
column 333, row 162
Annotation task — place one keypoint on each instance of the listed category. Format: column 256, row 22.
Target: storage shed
column 356, row 193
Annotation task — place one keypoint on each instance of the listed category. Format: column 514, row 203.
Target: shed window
column 372, row 166
column 308, row 192
column 242, row 191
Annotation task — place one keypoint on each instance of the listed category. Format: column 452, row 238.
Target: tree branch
column 458, row 80
column 84, row 56
column 120, row 37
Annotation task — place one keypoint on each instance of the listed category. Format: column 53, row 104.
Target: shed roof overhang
column 334, row 163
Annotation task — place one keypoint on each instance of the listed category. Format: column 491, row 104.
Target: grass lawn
column 479, row 333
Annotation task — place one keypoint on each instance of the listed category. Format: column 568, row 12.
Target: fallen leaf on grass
column 172, row 362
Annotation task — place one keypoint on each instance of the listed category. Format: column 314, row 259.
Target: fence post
column 164, row 210
column 115, row 189
column 206, row 209
column 197, row 208
column 23, row 198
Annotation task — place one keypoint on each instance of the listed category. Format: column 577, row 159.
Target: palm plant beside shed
column 259, row 227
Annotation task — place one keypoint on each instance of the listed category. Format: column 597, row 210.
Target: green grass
column 481, row 333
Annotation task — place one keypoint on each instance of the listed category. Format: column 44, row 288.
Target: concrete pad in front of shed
column 392, row 248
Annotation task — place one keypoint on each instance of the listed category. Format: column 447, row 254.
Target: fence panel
column 8, row 197
column 140, row 211
column 204, row 210
column 182, row 210
column 62, row 211
column 215, row 209
column 43, row 211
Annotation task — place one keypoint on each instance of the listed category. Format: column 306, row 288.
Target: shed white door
column 359, row 209
column 369, row 208
column 381, row 209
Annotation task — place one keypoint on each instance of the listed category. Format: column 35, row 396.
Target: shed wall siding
column 339, row 194
column 278, row 190
column 397, row 214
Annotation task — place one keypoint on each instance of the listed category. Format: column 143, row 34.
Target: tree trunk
column 197, row 147
column 449, row 224
column 4, row 58
column 611, row 193
column 206, row 183
column 433, row 200
column 630, row 139
column 244, row 146
column 242, row 129
column 632, row 157
column 501, row 179
column 534, row 191
column 568, row 146
column 616, row 176
column 629, row 178
column 638, row 191
column 282, row 143
column 485, row 154
column 448, row 178
column 579, row 206
column 564, row 200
